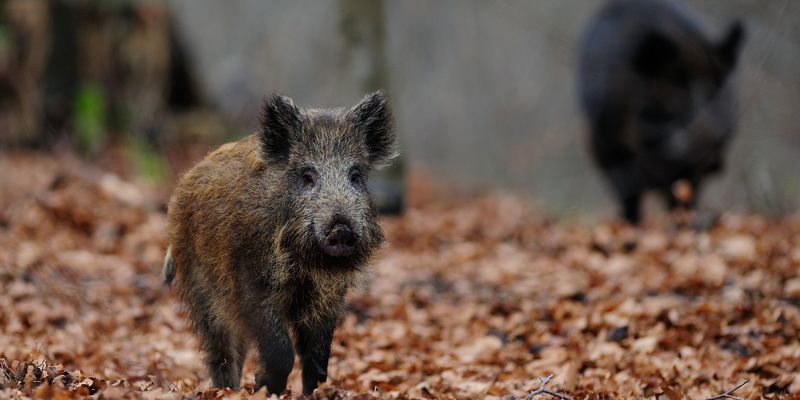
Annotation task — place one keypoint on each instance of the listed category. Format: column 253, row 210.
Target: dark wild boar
column 267, row 234
column 658, row 95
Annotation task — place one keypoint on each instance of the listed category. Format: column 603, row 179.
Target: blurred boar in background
column 657, row 92
column 267, row 234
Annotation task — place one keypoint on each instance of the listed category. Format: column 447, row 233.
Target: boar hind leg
column 224, row 351
column 224, row 358
column 314, row 348
column 276, row 356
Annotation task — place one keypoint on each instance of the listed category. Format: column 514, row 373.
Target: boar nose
column 340, row 241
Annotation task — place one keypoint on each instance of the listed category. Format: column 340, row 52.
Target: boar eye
column 308, row 178
column 356, row 177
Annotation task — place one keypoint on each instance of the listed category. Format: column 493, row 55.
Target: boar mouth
column 350, row 261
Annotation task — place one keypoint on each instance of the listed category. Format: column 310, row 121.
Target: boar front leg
column 275, row 355
column 314, row 348
column 626, row 181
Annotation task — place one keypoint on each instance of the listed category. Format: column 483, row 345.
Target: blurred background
column 484, row 92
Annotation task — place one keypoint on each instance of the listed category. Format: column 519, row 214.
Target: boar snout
column 340, row 241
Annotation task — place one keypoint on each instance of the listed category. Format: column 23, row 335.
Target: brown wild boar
column 267, row 234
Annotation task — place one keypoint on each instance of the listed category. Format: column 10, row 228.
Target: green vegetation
column 89, row 117
column 147, row 162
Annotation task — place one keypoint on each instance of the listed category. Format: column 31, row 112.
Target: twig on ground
column 729, row 393
column 544, row 381
column 542, row 389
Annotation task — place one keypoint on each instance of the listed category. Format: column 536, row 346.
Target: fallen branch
column 729, row 393
column 544, row 381
column 543, row 389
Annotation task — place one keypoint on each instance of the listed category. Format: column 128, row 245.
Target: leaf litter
column 475, row 296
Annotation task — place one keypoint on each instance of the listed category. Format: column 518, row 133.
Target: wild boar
column 659, row 98
column 268, row 233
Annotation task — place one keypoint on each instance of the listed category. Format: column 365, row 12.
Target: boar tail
column 169, row 267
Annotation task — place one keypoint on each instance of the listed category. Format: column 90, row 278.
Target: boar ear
column 656, row 56
column 278, row 127
column 731, row 44
column 372, row 119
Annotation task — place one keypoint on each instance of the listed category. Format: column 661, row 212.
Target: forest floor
column 473, row 297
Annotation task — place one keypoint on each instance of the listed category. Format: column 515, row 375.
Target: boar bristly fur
column 267, row 234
